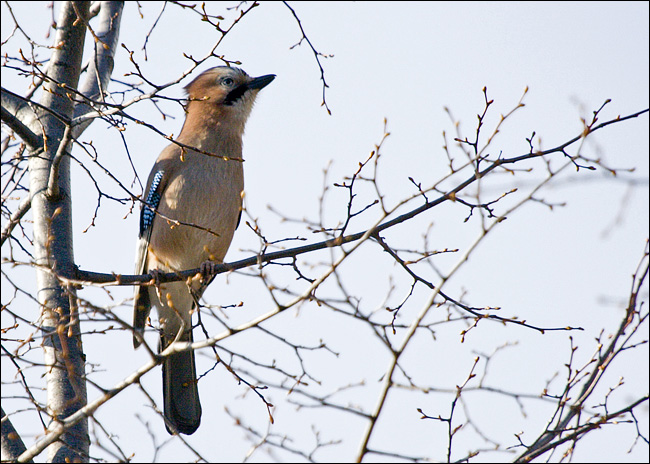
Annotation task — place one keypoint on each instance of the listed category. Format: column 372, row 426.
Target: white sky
column 404, row 62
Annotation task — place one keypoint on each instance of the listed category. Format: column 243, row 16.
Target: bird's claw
column 155, row 276
column 209, row 269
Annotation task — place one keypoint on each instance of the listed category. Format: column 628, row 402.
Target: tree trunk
column 53, row 245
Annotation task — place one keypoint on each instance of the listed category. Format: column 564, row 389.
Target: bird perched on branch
column 192, row 206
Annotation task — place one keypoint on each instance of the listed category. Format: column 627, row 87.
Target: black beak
column 257, row 83
column 261, row 82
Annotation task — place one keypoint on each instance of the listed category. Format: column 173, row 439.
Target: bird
column 192, row 205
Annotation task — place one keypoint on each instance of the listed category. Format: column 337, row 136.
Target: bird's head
column 227, row 87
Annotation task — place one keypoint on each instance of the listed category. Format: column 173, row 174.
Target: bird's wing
column 142, row 302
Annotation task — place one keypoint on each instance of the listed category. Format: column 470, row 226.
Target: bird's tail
column 180, row 389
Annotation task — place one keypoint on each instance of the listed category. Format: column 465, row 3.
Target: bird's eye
column 227, row 81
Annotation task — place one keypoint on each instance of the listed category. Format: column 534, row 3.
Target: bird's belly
column 201, row 223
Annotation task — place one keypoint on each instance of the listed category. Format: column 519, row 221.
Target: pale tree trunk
column 53, row 245
column 48, row 131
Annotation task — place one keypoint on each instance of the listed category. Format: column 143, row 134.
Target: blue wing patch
column 148, row 211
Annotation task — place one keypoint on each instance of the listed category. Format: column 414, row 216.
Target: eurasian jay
column 193, row 204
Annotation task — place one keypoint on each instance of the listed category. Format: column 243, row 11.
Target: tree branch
column 88, row 277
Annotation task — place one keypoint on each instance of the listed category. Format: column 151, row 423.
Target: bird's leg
column 155, row 280
column 155, row 276
column 209, row 269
